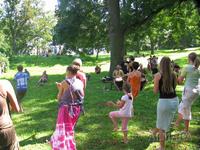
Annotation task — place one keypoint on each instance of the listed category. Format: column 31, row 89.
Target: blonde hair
column 168, row 76
column 77, row 61
column 195, row 59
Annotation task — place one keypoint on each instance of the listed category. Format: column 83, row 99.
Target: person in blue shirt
column 21, row 85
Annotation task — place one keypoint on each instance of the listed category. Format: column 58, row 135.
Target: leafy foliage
column 24, row 23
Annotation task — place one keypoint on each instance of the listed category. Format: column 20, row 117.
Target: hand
column 110, row 103
column 118, row 102
column 59, row 85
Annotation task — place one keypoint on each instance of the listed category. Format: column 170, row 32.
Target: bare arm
column 12, row 97
column 156, row 83
column 61, row 88
column 180, row 79
column 120, row 104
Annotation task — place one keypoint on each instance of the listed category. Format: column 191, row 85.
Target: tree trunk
column 97, row 56
column 116, row 36
column 14, row 46
column 152, row 45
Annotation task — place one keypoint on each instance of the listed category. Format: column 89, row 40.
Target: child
column 43, row 78
column 125, row 106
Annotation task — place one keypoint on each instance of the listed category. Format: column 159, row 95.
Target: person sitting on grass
column 43, row 78
column 125, row 111
column 117, row 76
column 97, row 69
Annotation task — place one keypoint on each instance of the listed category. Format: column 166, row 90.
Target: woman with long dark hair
column 70, row 98
column 165, row 85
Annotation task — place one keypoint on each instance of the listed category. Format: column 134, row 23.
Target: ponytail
column 195, row 59
column 197, row 62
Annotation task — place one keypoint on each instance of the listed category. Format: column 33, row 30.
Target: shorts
column 166, row 109
column 188, row 97
column 20, row 95
column 125, row 119
column 8, row 139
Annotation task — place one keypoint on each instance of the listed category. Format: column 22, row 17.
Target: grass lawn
column 94, row 129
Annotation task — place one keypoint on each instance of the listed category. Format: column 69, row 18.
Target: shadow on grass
column 33, row 139
column 94, row 129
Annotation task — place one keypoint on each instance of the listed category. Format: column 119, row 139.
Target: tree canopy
column 24, row 25
column 130, row 25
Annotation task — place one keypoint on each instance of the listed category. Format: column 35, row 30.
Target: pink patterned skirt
column 63, row 136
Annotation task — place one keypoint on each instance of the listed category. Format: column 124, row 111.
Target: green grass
column 94, row 129
column 31, row 61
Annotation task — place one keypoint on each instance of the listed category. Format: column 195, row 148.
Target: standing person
column 125, row 111
column 154, row 65
column 80, row 74
column 165, row 84
column 22, row 84
column 69, row 96
column 134, row 78
column 124, row 65
column 8, row 138
column 191, row 74
column 27, row 72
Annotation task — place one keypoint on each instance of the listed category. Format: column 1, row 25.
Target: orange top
column 134, row 78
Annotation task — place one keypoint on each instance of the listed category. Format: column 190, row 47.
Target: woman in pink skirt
column 70, row 98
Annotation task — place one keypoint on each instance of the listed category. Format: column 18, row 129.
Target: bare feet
column 115, row 129
column 154, row 131
column 159, row 148
column 125, row 141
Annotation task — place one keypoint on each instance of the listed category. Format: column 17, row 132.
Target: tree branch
column 153, row 13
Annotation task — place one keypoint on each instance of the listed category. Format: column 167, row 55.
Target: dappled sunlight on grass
column 94, row 129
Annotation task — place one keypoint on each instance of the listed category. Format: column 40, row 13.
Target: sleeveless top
column 74, row 94
column 5, row 120
column 135, row 82
column 166, row 95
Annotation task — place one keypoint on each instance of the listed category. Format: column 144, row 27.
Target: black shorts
column 20, row 95
column 154, row 70
column 8, row 139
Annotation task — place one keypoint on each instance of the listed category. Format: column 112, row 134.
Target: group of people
column 71, row 92
column 153, row 64
column 125, row 69
column 165, row 81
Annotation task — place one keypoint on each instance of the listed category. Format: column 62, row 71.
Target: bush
column 4, row 62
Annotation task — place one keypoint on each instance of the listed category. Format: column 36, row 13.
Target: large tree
column 126, row 16
column 79, row 23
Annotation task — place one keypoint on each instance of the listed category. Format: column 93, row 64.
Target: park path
column 59, row 69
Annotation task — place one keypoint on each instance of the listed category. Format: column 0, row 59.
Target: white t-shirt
column 127, row 109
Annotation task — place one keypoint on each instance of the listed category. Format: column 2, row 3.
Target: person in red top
column 80, row 74
column 134, row 79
